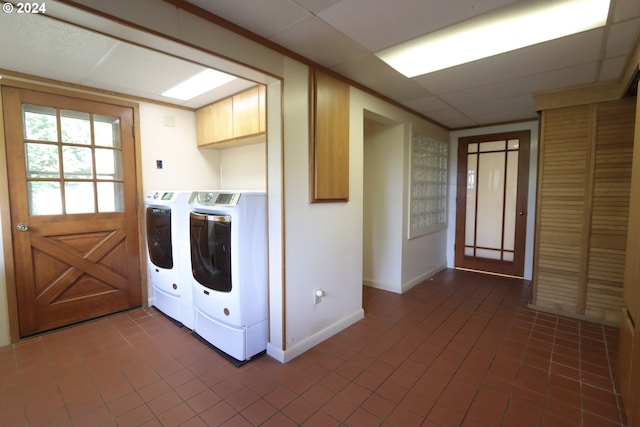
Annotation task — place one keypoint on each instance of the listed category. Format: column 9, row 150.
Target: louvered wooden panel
column 610, row 210
column 562, row 202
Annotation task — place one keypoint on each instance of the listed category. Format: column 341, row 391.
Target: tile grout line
column 617, row 395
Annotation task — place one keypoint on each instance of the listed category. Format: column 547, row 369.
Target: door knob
column 521, row 213
column 22, row 227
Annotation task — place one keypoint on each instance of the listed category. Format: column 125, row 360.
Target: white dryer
column 229, row 270
column 167, row 224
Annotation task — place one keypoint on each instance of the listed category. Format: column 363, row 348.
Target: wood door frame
column 509, row 268
column 5, row 214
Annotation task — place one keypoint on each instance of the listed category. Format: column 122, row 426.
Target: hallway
column 460, row 349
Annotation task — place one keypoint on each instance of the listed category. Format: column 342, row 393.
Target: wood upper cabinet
column 246, row 112
column 237, row 120
column 329, row 139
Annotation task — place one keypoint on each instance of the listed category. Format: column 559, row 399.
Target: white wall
column 533, row 177
column 185, row 166
column 244, row 168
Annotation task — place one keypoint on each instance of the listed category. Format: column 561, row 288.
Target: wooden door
column 71, row 165
column 493, row 176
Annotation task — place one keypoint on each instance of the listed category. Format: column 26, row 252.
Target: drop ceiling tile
column 557, row 54
column 329, row 47
column 378, row 24
column 612, row 68
column 427, row 105
column 504, row 109
column 371, row 72
column 581, row 74
column 625, row 9
column 131, row 67
column 316, row 6
column 622, row 38
column 42, row 44
column 451, row 118
column 263, row 17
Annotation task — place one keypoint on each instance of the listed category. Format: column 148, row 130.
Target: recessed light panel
column 197, row 85
column 514, row 27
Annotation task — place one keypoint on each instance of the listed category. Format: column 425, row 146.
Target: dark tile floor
column 460, row 349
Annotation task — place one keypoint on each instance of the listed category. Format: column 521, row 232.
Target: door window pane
column 40, row 123
column 42, row 160
column 108, row 163
column 77, row 162
column 44, row 198
column 76, row 127
column 78, row 197
column 107, row 131
column 110, row 197
column 490, row 194
column 63, row 170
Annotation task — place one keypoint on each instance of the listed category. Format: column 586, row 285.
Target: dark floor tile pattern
column 460, row 349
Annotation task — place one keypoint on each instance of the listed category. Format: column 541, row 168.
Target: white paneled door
column 491, row 215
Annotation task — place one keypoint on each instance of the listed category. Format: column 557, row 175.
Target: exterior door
column 71, row 165
column 493, row 176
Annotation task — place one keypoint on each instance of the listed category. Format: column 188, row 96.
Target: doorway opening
column 383, row 203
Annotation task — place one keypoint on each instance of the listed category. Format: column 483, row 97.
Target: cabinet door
column 329, row 150
column 222, row 120
column 204, row 125
column 246, row 117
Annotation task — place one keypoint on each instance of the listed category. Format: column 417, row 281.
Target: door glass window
column 110, row 197
column 492, row 172
column 40, row 123
column 43, row 160
column 45, row 197
column 75, row 167
column 107, row 130
column 77, row 162
column 76, row 127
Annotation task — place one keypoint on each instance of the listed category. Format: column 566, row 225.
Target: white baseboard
column 406, row 285
column 382, row 286
column 411, row 283
column 297, row 349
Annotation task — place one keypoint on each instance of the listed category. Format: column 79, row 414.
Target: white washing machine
column 169, row 266
column 229, row 270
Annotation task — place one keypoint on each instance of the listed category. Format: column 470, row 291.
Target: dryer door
column 159, row 237
column 211, row 250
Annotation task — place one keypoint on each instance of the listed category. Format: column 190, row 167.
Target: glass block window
column 428, row 201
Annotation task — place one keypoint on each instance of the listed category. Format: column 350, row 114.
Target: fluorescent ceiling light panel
column 197, row 85
column 514, row 27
